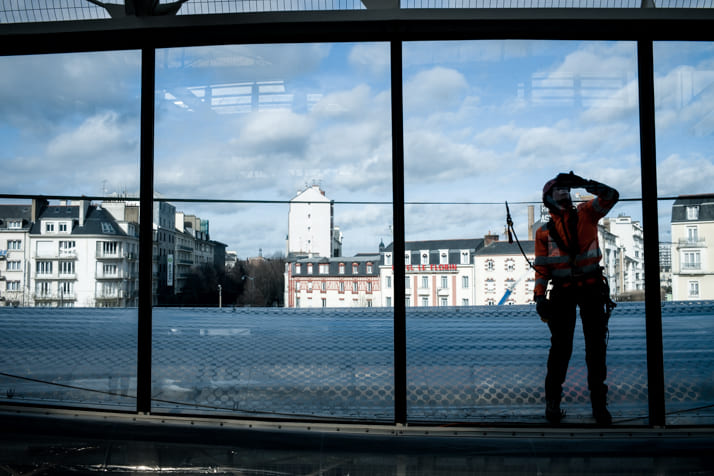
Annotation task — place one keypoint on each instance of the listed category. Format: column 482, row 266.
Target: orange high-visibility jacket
column 551, row 262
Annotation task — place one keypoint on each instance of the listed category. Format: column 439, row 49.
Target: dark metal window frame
column 396, row 27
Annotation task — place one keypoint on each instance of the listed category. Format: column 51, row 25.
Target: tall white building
column 630, row 274
column 692, row 261
column 311, row 228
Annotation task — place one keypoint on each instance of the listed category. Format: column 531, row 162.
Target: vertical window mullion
column 653, row 310
column 400, row 341
column 146, row 210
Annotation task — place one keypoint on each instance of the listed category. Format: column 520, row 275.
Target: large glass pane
column 490, row 122
column 273, row 194
column 684, row 94
column 69, row 125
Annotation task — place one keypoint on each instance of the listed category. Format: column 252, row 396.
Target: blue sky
column 485, row 122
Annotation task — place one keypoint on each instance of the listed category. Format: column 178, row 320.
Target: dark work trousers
column 564, row 301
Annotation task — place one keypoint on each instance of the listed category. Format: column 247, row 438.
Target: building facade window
column 425, row 282
column 444, row 282
column 465, row 282
column 407, row 282
column 354, row 287
column 369, row 286
column 510, row 265
column 388, row 282
column 424, row 301
column 407, row 258
column 424, row 257
column 341, row 286
column 464, row 257
column 489, row 265
column 443, row 302
column 324, row 268
column 14, row 244
column 692, row 260
column 693, row 212
column 694, row 289
column 44, row 267
column 355, row 268
column 309, row 268
column 388, row 259
column 66, row 267
column 465, row 301
column 341, row 268
column 63, row 227
column 49, row 227
column 388, row 301
column 369, row 268
column 297, row 268
column 692, row 234
column 14, row 265
column 490, row 286
column 443, row 257
column 14, row 224
column 42, row 288
column 12, row 286
column 407, row 301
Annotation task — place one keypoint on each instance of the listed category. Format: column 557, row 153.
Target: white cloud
column 435, row 89
column 677, row 175
column 371, row 57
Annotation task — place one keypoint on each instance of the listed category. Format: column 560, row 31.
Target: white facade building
column 503, row 276
column 311, row 228
column 15, row 223
column 630, row 274
column 437, row 272
column 692, row 261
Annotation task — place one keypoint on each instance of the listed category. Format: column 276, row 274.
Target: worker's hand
column 570, row 180
column 543, row 308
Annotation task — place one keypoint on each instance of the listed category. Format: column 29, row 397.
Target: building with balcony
column 15, row 223
column 80, row 255
column 692, row 262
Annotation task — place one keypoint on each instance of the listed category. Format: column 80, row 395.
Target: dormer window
column 14, row 224
column 443, row 257
column 49, row 227
column 693, row 212
column 407, row 258
column 107, row 228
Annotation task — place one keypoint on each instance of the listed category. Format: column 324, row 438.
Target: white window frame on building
column 388, row 282
column 443, row 301
column 443, row 257
column 341, row 268
column 14, row 224
column 407, row 282
column 489, row 265
column 15, row 265
column 693, row 289
column 692, row 234
column 388, row 259
column 424, row 301
column 424, row 256
column 324, row 268
column 407, row 258
column 691, row 260
column 444, row 282
column 12, row 286
column 14, row 244
column 43, row 267
column 425, row 282
column 693, row 212
column 465, row 282
column 309, row 268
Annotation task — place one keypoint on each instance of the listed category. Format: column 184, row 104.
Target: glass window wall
column 684, row 92
column 69, row 125
column 491, row 122
column 273, row 192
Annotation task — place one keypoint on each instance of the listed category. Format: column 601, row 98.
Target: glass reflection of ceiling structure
column 32, row 11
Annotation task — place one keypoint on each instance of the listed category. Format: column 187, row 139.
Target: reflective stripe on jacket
column 553, row 263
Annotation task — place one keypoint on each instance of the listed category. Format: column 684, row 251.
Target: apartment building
column 692, row 261
column 15, row 224
column 502, row 274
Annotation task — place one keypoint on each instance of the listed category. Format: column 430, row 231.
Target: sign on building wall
column 170, row 270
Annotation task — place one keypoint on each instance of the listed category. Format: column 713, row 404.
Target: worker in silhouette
column 567, row 264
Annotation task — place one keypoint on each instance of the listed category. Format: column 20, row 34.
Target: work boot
column 600, row 412
column 553, row 413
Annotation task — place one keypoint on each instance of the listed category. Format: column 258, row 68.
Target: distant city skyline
column 484, row 122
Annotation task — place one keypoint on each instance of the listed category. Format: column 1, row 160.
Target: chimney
column 83, row 207
column 38, row 206
column 489, row 238
column 531, row 221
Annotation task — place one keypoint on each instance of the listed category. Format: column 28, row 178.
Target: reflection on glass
column 69, row 125
column 491, row 122
column 684, row 92
column 273, row 181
